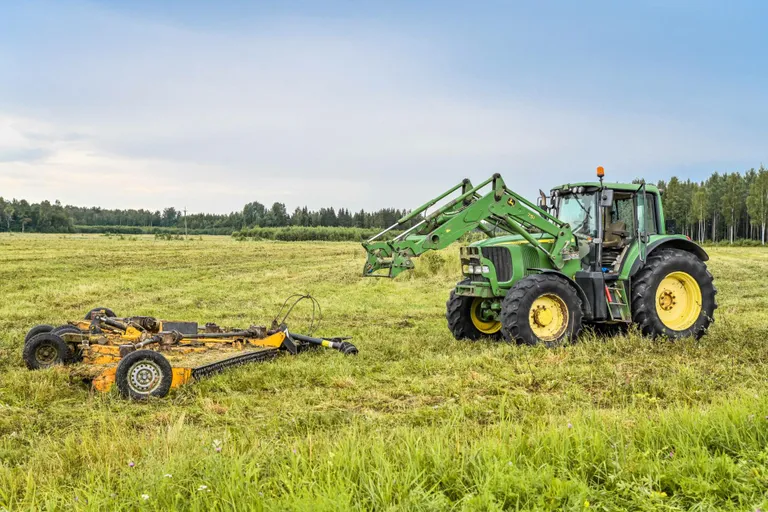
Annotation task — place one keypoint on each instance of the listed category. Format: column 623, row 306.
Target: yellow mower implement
column 144, row 356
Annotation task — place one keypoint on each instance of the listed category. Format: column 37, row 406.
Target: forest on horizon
column 728, row 206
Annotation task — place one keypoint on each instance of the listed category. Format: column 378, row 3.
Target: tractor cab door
column 618, row 227
column 641, row 221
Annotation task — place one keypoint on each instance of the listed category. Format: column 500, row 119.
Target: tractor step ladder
column 614, row 294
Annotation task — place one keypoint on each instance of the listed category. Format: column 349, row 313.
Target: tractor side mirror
column 543, row 203
column 670, row 226
column 606, row 197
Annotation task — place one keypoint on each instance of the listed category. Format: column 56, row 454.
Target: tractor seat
column 615, row 233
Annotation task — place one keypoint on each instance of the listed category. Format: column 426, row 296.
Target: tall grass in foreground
column 602, row 460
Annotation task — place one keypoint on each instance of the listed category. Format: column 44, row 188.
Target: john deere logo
column 511, row 202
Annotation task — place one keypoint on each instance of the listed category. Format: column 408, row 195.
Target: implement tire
column 38, row 329
column 673, row 295
column 541, row 308
column 64, row 329
column 466, row 324
column 46, row 350
column 105, row 311
column 77, row 353
column 142, row 374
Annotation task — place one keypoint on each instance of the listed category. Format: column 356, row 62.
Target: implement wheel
column 77, row 354
column 673, row 295
column 66, row 329
column 472, row 317
column 102, row 311
column 45, row 350
column 142, row 374
column 541, row 308
column 38, row 329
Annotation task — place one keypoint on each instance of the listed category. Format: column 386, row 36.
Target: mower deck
column 146, row 357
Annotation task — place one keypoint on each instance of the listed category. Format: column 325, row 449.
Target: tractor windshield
column 578, row 210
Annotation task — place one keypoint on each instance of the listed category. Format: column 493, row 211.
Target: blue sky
column 370, row 104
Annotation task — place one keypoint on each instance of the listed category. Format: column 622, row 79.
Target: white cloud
column 299, row 114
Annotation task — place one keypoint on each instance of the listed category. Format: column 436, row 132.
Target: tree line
column 46, row 217
column 728, row 206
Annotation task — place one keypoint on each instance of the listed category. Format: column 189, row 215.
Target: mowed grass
column 418, row 421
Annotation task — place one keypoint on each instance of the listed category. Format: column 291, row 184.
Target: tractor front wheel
column 142, row 374
column 472, row 317
column 541, row 308
column 673, row 295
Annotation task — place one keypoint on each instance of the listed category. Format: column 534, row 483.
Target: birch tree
column 757, row 201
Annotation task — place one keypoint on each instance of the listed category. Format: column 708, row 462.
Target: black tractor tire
column 516, row 309
column 107, row 312
column 142, row 374
column 38, row 329
column 45, row 350
column 646, row 282
column 458, row 314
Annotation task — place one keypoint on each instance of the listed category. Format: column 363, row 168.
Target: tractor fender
column 587, row 308
column 682, row 244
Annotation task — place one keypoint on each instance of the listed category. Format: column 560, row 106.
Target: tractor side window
column 623, row 212
column 650, row 214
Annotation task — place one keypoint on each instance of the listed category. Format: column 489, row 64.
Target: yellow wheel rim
column 678, row 301
column 484, row 326
column 548, row 317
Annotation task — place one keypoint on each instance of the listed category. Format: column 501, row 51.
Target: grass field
column 417, row 421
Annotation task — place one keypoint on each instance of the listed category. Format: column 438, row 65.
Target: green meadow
column 417, row 421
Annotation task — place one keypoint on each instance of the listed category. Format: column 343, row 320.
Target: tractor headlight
column 466, row 269
column 486, row 270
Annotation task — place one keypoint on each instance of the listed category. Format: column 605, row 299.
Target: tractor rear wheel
column 673, row 295
column 46, row 350
column 142, row 374
column 472, row 317
column 541, row 308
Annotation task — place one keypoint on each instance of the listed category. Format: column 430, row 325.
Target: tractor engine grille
column 501, row 259
column 530, row 259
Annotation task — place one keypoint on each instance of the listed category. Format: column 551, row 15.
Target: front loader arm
column 499, row 208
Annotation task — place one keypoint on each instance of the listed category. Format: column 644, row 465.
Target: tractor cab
column 607, row 218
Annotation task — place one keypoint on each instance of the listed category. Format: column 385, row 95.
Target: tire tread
column 643, row 297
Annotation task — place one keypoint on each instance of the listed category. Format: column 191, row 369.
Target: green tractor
column 589, row 253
